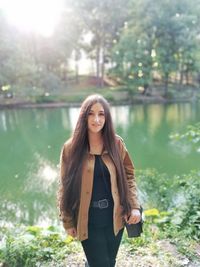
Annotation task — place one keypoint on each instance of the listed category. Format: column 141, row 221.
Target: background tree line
column 138, row 44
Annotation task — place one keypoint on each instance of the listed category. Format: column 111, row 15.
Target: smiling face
column 96, row 118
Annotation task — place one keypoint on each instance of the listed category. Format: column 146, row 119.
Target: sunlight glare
column 33, row 15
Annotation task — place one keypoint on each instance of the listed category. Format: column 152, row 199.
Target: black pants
column 102, row 246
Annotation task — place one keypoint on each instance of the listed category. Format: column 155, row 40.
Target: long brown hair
column 69, row 197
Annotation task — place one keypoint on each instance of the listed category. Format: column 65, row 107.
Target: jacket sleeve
column 65, row 218
column 130, row 174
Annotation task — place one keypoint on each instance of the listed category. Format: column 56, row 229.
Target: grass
column 75, row 93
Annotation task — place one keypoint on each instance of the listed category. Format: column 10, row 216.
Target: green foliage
column 158, row 227
column 162, row 45
column 163, row 42
column 187, row 209
column 177, row 196
column 45, row 99
column 36, row 246
column 150, row 181
column 190, row 136
column 33, row 245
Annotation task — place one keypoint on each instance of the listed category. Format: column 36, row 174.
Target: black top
column 101, row 190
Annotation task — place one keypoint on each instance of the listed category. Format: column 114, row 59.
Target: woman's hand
column 134, row 217
column 72, row 232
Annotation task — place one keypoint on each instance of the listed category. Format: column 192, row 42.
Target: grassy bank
column 117, row 95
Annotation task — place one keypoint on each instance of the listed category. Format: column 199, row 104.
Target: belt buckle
column 103, row 204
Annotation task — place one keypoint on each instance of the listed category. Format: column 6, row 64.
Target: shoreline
column 60, row 104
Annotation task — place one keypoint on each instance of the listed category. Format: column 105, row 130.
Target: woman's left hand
column 134, row 217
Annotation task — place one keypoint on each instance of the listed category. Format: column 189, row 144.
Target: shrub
column 30, row 246
column 187, row 212
column 156, row 189
column 176, row 199
column 190, row 136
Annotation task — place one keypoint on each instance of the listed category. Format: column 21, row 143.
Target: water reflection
column 65, row 119
column 34, row 213
column 156, row 114
column 3, row 122
column 41, row 178
column 121, row 116
column 179, row 113
column 73, row 115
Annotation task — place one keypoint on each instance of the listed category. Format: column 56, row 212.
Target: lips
column 96, row 125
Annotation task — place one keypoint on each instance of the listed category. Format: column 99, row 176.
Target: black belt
column 101, row 204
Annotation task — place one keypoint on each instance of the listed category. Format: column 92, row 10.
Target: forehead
column 97, row 107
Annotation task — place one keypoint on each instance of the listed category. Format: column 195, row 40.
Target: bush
column 30, row 246
column 177, row 200
column 45, row 99
column 156, row 189
column 190, row 136
column 187, row 212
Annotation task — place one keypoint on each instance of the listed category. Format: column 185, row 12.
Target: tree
column 7, row 53
column 103, row 20
column 175, row 36
column 164, row 40
column 133, row 52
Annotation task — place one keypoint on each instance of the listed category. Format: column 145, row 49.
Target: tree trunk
column 64, row 73
column 77, row 56
column 181, row 76
column 187, row 77
column 102, row 67
column 97, row 66
column 146, row 89
column 166, row 84
column 198, row 79
column 77, row 72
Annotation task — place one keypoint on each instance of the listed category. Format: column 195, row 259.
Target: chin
column 95, row 130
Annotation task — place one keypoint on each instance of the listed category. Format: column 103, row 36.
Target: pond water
column 31, row 140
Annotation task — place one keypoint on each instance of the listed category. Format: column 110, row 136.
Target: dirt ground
column 160, row 254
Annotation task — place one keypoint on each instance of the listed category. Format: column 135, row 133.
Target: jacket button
column 87, row 193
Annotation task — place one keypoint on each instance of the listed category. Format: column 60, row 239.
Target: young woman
column 98, row 190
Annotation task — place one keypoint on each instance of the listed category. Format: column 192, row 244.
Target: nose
column 96, row 119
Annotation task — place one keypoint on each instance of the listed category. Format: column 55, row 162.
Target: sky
column 40, row 16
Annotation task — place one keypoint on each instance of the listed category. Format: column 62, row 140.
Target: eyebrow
column 102, row 111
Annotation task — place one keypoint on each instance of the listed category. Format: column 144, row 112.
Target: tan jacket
column 87, row 185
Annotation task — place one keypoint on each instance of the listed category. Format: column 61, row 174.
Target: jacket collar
column 103, row 152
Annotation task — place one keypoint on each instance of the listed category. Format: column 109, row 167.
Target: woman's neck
column 95, row 142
